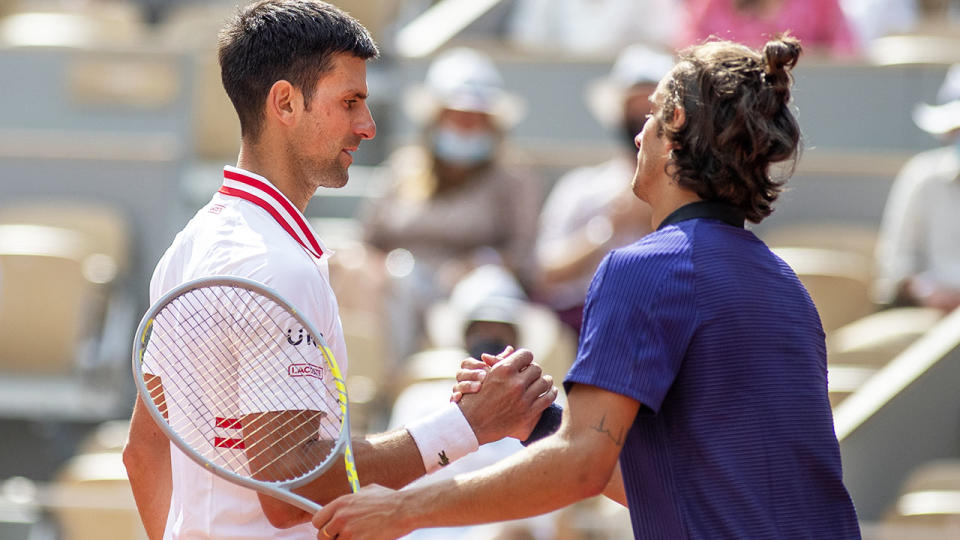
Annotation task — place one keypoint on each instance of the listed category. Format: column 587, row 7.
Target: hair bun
column 779, row 57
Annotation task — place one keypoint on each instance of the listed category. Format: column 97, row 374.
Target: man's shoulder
column 222, row 239
column 666, row 244
column 932, row 165
column 651, row 258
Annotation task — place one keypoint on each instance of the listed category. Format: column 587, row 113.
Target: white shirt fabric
column 250, row 230
column 593, row 26
column 872, row 19
column 577, row 198
column 921, row 224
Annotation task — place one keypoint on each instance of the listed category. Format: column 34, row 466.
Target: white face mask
column 462, row 148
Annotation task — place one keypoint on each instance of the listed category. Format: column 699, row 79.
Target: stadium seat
column 64, row 330
column 839, row 282
column 43, row 296
column 841, row 236
column 929, row 500
column 58, row 262
column 216, row 129
column 858, row 349
column 92, row 500
column 878, row 337
column 106, row 229
column 99, row 23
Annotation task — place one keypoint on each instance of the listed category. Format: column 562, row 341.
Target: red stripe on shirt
column 273, row 192
column 270, row 210
column 223, row 442
column 230, row 423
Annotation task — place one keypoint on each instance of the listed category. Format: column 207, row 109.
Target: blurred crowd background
column 498, row 179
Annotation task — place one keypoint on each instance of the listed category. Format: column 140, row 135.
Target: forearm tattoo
column 602, row 428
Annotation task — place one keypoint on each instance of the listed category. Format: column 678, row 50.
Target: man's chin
column 333, row 179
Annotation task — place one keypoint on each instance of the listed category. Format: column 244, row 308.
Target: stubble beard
column 327, row 174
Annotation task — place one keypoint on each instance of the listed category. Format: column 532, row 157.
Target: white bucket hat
column 491, row 293
column 463, row 79
column 636, row 64
column 945, row 117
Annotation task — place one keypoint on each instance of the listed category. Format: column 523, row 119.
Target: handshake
column 518, row 389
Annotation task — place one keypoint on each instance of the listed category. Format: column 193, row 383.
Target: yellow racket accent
column 338, row 381
column 144, row 337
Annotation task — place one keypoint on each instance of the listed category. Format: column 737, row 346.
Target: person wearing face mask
column 918, row 257
column 450, row 200
column 591, row 210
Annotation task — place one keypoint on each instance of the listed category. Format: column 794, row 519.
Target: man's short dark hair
column 738, row 122
column 292, row 40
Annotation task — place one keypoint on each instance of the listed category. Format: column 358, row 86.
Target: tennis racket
column 245, row 386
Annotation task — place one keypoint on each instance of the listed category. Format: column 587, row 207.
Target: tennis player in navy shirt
column 702, row 365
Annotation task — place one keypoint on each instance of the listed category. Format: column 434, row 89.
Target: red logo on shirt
column 216, row 209
column 305, row 370
column 228, row 442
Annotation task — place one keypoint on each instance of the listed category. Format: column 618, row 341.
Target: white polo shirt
column 249, row 229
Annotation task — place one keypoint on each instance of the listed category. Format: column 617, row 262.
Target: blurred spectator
column 450, row 201
column 592, row 26
column 476, row 316
column 871, row 19
column 592, row 210
column 918, row 251
column 820, row 24
column 487, row 311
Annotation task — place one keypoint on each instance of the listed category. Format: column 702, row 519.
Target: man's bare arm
column 146, row 456
column 615, row 490
column 573, row 464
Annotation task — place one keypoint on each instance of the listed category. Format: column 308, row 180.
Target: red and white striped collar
column 259, row 191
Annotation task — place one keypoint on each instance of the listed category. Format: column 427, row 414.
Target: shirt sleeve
column 899, row 243
column 557, row 218
column 522, row 194
column 639, row 318
column 286, row 370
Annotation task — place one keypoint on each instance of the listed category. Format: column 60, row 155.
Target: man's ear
column 284, row 103
column 679, row 118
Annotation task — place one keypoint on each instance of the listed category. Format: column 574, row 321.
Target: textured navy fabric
column 717, row 339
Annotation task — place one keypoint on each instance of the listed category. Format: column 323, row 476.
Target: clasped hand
column 501, row 396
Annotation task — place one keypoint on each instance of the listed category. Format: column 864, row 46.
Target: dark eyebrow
column 358, row 94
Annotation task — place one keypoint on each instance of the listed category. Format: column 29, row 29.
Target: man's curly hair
column 737, row 122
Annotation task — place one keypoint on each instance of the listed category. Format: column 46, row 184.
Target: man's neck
column 670, row 198
column 278, row 170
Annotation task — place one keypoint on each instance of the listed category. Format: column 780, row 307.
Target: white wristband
column 443, row 437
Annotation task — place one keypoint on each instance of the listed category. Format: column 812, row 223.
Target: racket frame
column 279, row 490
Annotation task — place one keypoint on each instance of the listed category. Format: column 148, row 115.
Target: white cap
column 636, row 64
column 490, row 293
column 945, row 117
column 463, row 79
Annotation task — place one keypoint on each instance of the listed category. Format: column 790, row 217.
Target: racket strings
column 227, row 337
column 290, row 426
column 234, row 455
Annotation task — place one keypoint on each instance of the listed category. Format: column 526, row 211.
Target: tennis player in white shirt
column 296, row 73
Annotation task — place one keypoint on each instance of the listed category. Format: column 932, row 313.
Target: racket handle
column 548, row 424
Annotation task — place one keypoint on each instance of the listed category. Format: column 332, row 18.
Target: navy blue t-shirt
column 717, row 339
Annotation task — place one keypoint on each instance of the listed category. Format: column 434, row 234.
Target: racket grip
column 548, row 424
